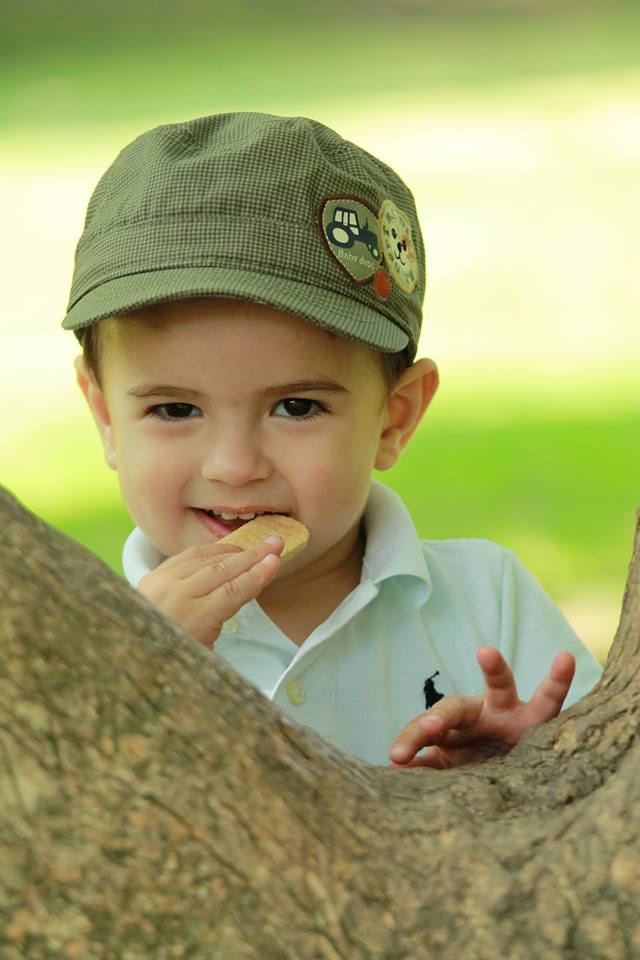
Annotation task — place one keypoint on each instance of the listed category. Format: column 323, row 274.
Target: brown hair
column 92, row 350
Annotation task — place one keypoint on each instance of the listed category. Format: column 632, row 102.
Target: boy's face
column 235, row 407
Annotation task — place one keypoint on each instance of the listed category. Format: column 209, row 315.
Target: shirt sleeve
column 533, row 630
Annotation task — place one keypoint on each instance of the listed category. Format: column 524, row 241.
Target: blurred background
column 517, row 125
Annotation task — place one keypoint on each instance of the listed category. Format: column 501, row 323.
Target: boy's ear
column 409, row 399
column 98, row 406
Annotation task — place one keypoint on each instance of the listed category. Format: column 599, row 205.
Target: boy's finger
column 548, row 697
column 234, row 593
column 189, row 560
column 433, row 758
column 214, row 570
column 501, row 692
column 456, row 712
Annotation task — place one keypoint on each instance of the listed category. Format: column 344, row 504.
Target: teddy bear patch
column 396, row 242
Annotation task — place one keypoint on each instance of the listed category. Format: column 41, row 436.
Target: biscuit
column 294, row 533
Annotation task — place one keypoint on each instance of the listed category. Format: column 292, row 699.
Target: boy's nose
column 235, row 459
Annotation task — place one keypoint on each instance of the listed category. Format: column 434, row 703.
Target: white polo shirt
column 415, row 620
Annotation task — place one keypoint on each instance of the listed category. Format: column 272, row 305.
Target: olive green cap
column 277, row 210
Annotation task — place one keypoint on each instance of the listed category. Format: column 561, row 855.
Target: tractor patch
column 350, row 230
column 396, row 242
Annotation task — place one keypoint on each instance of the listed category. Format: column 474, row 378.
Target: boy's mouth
column 232, row 521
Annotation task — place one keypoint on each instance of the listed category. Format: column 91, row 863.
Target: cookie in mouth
column 294, row 533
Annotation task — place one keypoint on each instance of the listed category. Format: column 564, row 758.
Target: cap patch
column 382, row 283
column 350, row 230
column 397, row 245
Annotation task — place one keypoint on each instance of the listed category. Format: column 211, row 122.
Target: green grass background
column 518, row 128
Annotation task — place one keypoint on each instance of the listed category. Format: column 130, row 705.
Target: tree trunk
column 155, row 805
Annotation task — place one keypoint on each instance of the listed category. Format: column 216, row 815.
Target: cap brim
column 333, row 311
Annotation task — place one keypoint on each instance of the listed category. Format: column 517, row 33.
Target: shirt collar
column 393, row 548
column 139, row 556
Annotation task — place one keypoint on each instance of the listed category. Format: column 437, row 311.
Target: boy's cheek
column 330, row 501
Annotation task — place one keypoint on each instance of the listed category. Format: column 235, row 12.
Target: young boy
column 248, row 291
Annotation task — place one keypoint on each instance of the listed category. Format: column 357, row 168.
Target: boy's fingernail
column 398, row 753
column 269, row 559
column 274, row 540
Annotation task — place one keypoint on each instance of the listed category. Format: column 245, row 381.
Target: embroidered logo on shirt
column 431, row 695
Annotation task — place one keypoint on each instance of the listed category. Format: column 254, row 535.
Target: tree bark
column 155, row 805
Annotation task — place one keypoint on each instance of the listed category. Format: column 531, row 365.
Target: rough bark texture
column 155, row 805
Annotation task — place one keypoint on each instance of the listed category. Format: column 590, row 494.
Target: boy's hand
column 203, row 586
column 462, row 729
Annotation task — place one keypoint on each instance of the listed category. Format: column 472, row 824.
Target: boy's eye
column 298, row 408
column 173, row 411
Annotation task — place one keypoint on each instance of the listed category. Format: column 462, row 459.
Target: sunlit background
column 517, row 125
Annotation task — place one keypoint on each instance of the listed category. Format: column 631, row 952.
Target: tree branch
column 155, row 804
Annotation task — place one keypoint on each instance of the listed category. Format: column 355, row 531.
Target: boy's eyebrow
column 161, row 390
column 298, row 386
column 304, row 386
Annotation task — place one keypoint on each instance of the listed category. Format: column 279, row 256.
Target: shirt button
column 230, row 626
column 295, row 692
